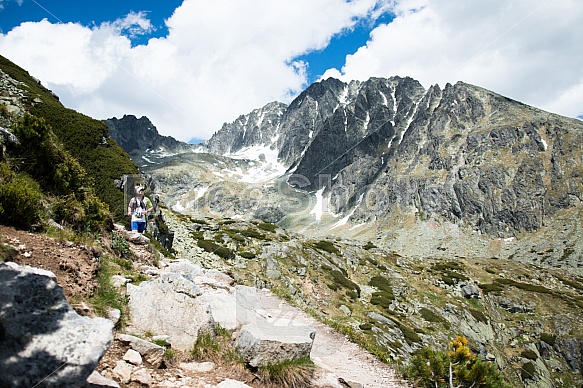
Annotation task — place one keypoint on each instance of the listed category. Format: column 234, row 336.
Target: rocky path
column 338, row 358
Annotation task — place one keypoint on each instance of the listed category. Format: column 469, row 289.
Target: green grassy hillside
column 75, row 137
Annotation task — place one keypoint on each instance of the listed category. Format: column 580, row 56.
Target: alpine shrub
column 20, row 200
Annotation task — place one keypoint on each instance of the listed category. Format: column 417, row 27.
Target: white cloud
column 221, row 59
column 528, row 50
column 226, row 57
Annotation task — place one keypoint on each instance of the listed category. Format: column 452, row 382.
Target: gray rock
column 123, row 371
column 230, row 383
column 44, row 341
column 263, row 343
column 113, row 315
column 470, row 291
column 133, row 357
column 152, row 353
column 512, row 306
column 198, row 367
column 170, row 305
column 381, row 319
column 142, row 376
column 96, row 380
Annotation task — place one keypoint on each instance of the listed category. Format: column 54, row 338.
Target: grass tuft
column 289, row 374
column 216, row 346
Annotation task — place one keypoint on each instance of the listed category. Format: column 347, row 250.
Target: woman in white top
column 138, row 208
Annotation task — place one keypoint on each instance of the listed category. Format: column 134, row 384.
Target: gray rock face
column 462, row 153
column 44, row 342
column 152, row 353
column 470, row 291
column 138, row 136
column 171, row 305
column 260, row 127
column 263, row 343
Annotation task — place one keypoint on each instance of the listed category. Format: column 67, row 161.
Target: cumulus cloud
column 224, row 58
column 528, row 50
column 220, row 59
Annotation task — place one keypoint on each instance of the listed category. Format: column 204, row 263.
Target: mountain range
column 370, row 159
column 400, row 216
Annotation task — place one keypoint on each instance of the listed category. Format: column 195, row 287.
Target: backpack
column 134, row 202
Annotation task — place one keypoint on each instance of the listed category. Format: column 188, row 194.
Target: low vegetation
column 289, row 374
column 457, row 367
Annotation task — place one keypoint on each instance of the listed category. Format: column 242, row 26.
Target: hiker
column 137, row 209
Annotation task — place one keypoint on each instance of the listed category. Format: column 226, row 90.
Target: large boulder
column 263, row 343
column 171, row 305
column 44, row 342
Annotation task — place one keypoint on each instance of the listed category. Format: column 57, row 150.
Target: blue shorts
column 138, row 225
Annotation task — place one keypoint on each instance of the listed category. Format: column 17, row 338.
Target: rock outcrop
column 186, row 300
column 44, row 342
column 170, row 305
column 263, row 343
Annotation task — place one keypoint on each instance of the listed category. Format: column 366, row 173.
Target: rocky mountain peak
column 259, row 127
column 139, row 137
column 462, row 153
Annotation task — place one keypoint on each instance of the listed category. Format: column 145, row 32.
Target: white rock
column 95, row 380
column 42, row 335
column 261, row 342
column 198, row 367
column 152, row 353
column 119, row 281
column 142, row 376
column 123, row 371
column 133, row 357
column 113, row 315
column 171, row 305
column 228, row 383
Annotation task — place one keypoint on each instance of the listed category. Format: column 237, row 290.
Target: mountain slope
column 85, row 138
column 462, row 154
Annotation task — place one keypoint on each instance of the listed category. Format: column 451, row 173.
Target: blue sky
column 87, row 13
column 192, row 65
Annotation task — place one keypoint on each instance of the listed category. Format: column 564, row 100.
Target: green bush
column 369, row 245
column 7, row 253
column 548, row 338
column 527, row 371
column 478, row 315
column 120, row 245
column 529, row 354
column 382, row 299
column 268, row 226
column 341, row 280
column 450, row 272
column 234, row 235
column 382, row 283
column 247, row 255
column 327, row 246
column 409, row 333
column 82, row 212
column 217, row 346
column 20, row 199
column 430, row 316
column 434, row 368
column 107, row 295
column 218, row 250
column 252, row 234
column 45, row 159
